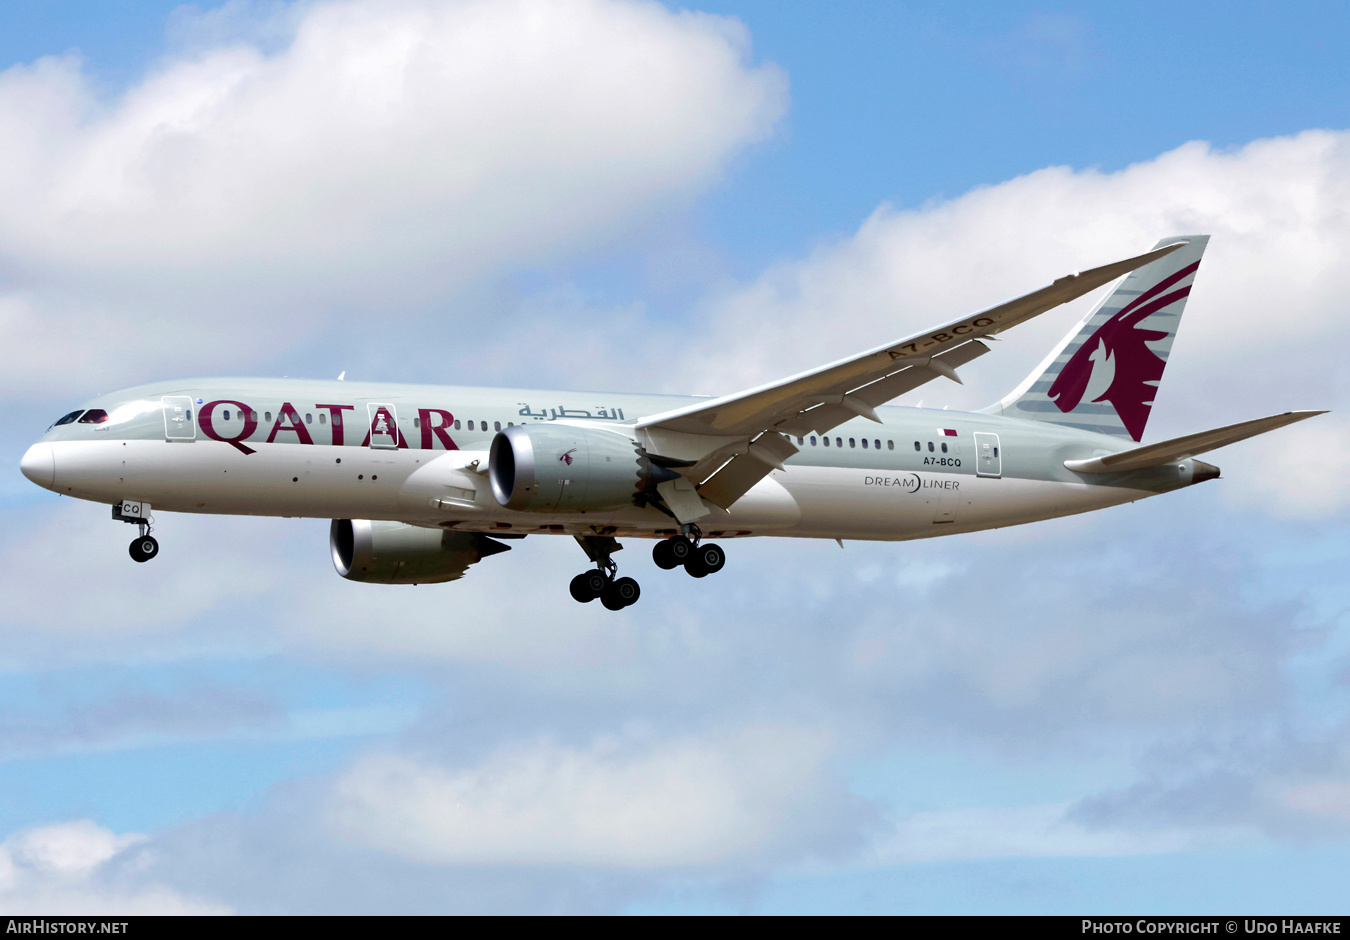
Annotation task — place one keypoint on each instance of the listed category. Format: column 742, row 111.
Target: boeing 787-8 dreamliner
column 422, row 481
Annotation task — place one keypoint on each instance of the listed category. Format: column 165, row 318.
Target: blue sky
column 1141, row 710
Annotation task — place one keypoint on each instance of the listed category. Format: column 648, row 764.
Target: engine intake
column 561, row 468
column 395, row 553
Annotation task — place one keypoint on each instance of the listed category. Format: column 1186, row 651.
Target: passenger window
column 813, row 440
column 496, row 425
column 838, row 442
column 226, row 414
column 930, row 447
column 825, row 441
column 510, row 424
column 864, row 443
column 323, row 419
column 470, row 425
column 800, row 441
column 878, row 444
column 890, row 445
column 96, row 416
column 916, row 446
column 944, row 448
column 253, row 415
column 852, row 442
column 337, row 418
column 456, row 425
column 267, row 416
column 68, row 419
column 417, row 422
column 309, row 418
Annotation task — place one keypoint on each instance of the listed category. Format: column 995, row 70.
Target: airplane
column 422, row 481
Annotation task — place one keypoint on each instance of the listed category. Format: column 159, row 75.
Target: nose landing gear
column 144, row 546
column 699, row 559
column 614, row 593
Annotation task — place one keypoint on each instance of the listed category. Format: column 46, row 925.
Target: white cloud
column 388, row 153
column 66, row 868
column 1017, row 832
column 1305, row 472
column 67, row 848
column 68, row 573
column 681, row 802
column 1320, row 798
column 510, row 610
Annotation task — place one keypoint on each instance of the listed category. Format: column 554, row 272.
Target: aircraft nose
column 39, row 465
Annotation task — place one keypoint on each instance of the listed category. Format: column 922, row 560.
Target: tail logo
column 1116, row 365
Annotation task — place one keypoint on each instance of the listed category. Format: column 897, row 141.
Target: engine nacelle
column 394, row 553
column 561, row 468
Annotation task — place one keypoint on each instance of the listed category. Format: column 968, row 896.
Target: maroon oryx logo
column 567, row 457
column 1115, row 363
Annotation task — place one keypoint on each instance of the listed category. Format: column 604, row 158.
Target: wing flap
column 1191, row 445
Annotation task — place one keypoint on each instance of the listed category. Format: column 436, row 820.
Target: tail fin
column 1104, row 375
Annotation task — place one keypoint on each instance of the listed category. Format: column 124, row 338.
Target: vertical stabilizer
column 1104, row 375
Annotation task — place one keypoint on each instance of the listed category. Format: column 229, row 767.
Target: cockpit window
column 94, row 416
column 67, row 419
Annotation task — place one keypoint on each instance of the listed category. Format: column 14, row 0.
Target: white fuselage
column 273, row 448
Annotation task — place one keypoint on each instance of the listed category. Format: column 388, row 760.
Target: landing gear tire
column 143, row 548
column 587, row 586
column 672, row 552
column 705, row 560
column 662, row 556
column 620, row 594
column 615, row 593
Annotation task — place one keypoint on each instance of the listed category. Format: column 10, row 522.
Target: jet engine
column 394, row 553
column 560, row 468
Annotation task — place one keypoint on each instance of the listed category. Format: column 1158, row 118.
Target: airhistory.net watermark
column 41, row 925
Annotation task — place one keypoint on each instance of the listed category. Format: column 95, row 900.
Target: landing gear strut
column 614, row 593
column 144, row 546
column 700, row 559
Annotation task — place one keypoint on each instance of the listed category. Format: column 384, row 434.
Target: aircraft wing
column 826, row 397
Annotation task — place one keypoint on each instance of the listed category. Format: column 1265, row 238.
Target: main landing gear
column 686, row 550
column 614, row 593
column 698, row 558
column 144, row 546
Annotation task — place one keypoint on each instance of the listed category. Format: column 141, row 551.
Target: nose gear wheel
column 143, row 548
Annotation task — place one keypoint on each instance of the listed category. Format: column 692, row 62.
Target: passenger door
column 988, row 460
column 178, row 423
column 383, row 426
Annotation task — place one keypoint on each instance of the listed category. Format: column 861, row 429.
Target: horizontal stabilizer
column 1191, row 445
